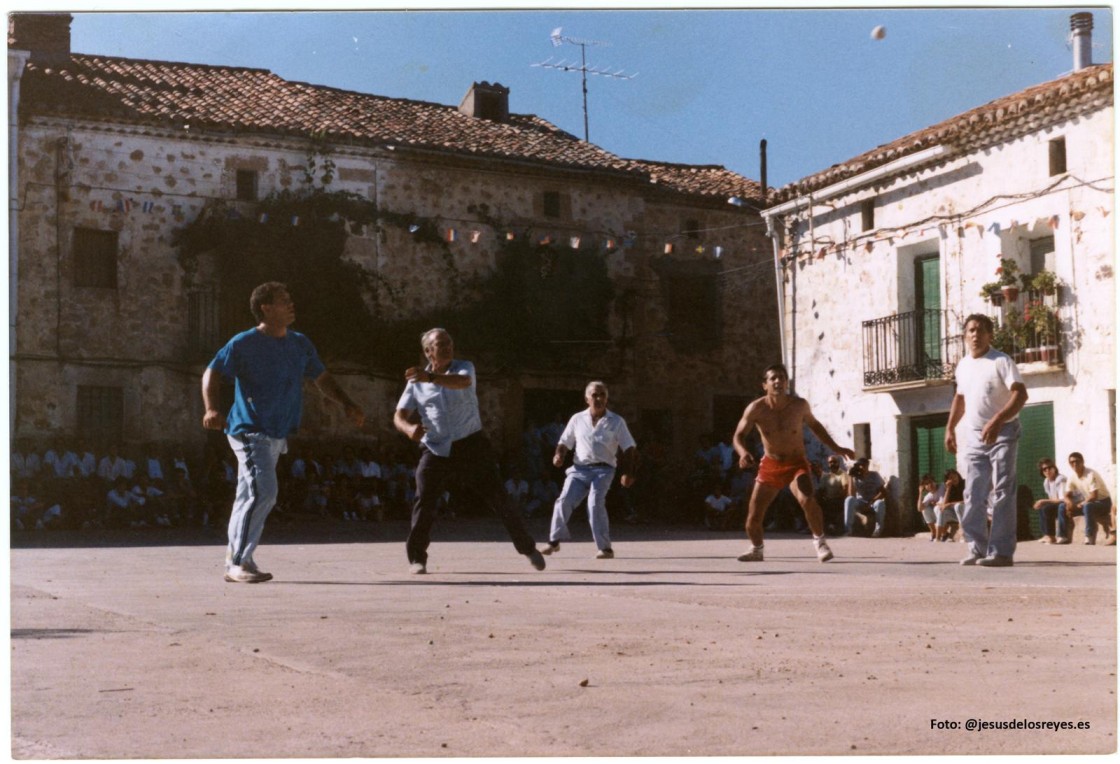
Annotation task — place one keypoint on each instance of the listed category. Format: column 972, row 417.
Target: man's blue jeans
column 1047, row 514
column 1101, row 508
column 257, row 489
column 854, row 504
column 989, row 478
column 592, row 482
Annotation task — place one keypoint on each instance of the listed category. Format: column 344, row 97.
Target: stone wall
column 145, row 184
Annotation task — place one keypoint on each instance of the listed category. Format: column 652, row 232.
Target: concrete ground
column 136, row 648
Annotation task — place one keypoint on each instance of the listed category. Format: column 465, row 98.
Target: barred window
column 202, row 322
column 95, row 258
column 100, row 414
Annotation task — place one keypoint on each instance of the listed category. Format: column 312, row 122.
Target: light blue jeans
column 989, row 477
column 592, row 483
column 257, row 489
column 854, row 504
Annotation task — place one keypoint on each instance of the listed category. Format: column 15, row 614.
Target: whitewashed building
column 882, row 258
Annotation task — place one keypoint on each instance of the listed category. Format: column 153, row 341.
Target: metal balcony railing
column 909, row 348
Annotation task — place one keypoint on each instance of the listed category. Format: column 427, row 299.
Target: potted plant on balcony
column 1009, row 278
column 991, row 292
column 1008, row 337
column 1041, row 322
column 1045, row 282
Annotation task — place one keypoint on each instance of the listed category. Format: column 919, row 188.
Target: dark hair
column 984, row 321
column 1077, row 455
column 264, row 295
column 775, row 367
column 952, row 471
column 926, row 478
column 1043, row 463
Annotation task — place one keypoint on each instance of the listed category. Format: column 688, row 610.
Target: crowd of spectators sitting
column 73, row 486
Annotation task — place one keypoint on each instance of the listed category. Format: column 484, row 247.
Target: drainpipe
column 775, row 236
column 17, row 60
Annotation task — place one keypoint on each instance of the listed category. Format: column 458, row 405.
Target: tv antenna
column 559, row 39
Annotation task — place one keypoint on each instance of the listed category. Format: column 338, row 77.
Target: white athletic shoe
column 239, row 574
column 824, row 554
column 754, row 554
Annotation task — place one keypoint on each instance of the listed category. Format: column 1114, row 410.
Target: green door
column 1037, row 442
column 927, row 436
column 928, row 293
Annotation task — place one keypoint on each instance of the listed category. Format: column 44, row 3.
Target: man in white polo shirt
column 596, row 435
column 990, row 394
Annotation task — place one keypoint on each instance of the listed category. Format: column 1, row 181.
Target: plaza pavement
column 136, row 648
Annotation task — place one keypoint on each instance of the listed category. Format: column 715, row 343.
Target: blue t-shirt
column 268, row 375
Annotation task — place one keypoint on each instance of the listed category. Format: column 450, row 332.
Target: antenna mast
column 559, row 39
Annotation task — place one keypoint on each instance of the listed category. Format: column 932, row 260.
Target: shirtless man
column 780, row 419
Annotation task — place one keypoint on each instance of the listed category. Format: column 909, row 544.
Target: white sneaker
column 417, row 568
column 877, row 532
column 824, row 554
column 754, row 554
column 239, row 574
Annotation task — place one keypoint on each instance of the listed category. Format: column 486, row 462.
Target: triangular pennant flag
column 148, row 206
column 451, row 234
column 574, row 242
column 263, row 218
column 475, row 236
column 668, row 248
column 994, row 228
column 718, row 252
column 700, row 249
column 1054, row 222
column 510, row 236
column 295, row 219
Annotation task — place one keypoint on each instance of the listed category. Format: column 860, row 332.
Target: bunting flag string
column 475, row 236
column 1054, row 222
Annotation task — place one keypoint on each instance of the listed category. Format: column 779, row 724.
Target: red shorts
column 778, row 474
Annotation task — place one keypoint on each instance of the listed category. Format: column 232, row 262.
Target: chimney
column 1081, row 30
column 486, row 101
column 45, row 35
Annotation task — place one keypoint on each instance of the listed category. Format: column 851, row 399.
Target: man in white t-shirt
column 990, row 394
column 1087, row 494
column 596, row 435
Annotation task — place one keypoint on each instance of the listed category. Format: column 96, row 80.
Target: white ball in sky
column 878, row 33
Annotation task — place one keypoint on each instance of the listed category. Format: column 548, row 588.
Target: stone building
column 113, row 158
column 883, row 256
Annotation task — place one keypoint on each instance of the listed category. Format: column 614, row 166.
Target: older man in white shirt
column 596, row 435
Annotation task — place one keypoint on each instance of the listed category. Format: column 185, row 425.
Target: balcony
column 909, row 350
column 1029, row 329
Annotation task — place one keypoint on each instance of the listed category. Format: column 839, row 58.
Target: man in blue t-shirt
column 439, row 410
column 267, row 365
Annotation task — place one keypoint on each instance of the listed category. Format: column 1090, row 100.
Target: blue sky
column 709, row 84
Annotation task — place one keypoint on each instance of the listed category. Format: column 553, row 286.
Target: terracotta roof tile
column 1016, row 114
column 256, row 100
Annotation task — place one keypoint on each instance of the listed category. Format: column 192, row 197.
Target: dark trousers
column 472, row 462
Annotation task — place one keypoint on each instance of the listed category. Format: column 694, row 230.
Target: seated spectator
column 111, row 466
column 717, row 509
column 25, row 460
column 517, row 489
column 929, row 501
column 26, row 508
column 182, row 500
column 1086, row 493
column 832, row 491
column 952, row 503
column 1053, row 507
column 367, row 502
column 543, row 494
column 118, row 504
column 151, row 499
column 867, row 490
